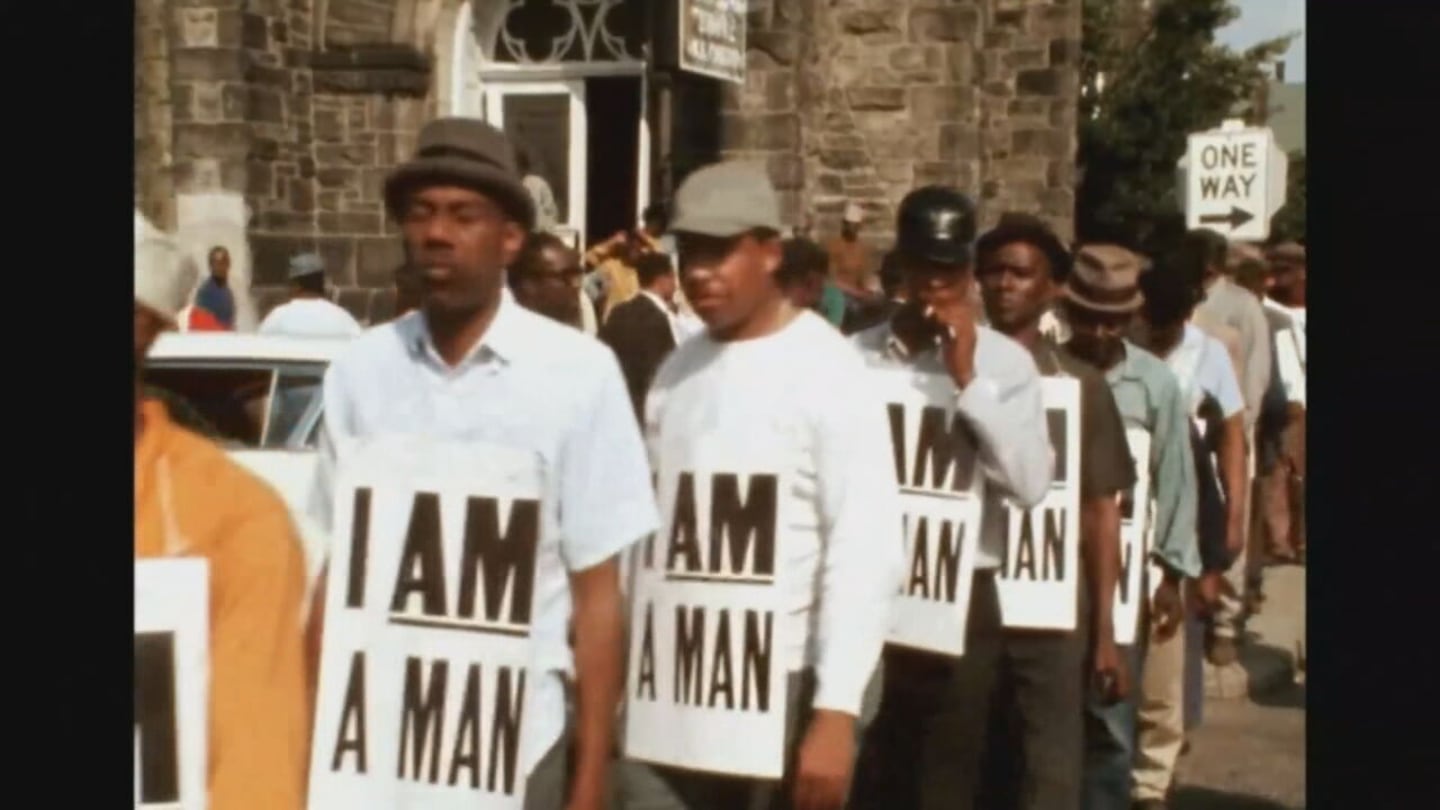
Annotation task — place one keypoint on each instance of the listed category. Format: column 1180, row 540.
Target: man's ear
column 770, row 255
column 511, row 241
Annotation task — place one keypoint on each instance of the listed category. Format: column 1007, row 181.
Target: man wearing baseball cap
column 926, row 747
column 773, row 389
column 309, row 313
column 191, row 500
column 851, row 263
column 472, row 365
column 1102, row 297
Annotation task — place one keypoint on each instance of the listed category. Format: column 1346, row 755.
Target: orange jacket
column 190, row 499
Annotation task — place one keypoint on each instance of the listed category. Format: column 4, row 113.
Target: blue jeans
column 1110, row 743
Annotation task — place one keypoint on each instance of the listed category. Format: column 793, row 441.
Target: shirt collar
column 658, row 301
column 1125, row 369
column 503, row 339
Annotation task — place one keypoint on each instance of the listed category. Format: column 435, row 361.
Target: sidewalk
column 1275, row 638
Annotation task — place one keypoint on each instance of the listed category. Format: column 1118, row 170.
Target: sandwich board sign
column 1233, row 181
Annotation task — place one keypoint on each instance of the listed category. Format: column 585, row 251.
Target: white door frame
column 493, row 95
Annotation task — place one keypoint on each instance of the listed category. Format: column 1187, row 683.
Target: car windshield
column 242, row 405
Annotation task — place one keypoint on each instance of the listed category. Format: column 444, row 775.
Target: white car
column 259, row 396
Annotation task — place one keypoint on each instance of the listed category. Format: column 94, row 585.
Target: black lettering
column 1210, row 156
column 1025, row 548
column 897, row 439
column 721, row 679
column 733, row 522
column 155, row 717
column 1232, row 186
column 352, row 709
column 422, row 563
column 359, row 549
column 1247, row 155
column 646, row 677
column 920, row 559
column 505, row 732
column 506, row 561
column 423, row 720
column 684, row 539
column 1059, row 443
column 944, row 447
column 755, row 665
column 1052, row 565
column 466, row 753
column 947, row 559
column 1007, row 514
column 689, row 655
column 1209, row 187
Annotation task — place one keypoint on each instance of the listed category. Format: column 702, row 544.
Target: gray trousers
column 548, row 787
column 645, row 786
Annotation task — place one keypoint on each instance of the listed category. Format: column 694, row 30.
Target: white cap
column 854, row 213
column 164, row 275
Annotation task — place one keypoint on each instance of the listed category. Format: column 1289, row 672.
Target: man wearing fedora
column 1102, row 297
column 776, row 384
column 926, row 747
column 309, row 313
column 1035, row 754
column 472, row 364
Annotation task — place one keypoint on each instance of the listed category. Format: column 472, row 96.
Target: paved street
column 1250, row 752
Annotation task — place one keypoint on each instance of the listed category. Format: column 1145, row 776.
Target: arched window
column 542, row 32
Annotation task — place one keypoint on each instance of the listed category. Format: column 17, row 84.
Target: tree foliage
column 1289, row 222
column 1145, row 85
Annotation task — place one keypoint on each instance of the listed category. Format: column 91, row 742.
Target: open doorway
column 613, row 159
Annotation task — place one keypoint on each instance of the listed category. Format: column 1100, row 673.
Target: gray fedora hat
column 466, row 152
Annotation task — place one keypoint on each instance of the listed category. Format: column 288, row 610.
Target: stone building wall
column 866, row 99
column 295, row 110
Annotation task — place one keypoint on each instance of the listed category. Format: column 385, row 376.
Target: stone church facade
column 269, row 125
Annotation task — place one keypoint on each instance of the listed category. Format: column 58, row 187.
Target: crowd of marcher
column 711, row 329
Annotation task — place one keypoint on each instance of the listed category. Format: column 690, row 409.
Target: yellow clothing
column 621, row 281
column 191, row 500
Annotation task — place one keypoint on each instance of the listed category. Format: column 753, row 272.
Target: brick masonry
column 303, row 106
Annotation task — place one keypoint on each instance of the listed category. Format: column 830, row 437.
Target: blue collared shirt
column 531, row 384
column 1149, row 397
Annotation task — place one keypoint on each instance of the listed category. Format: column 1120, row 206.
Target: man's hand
column 1109, row 671
column 958, row 335
column 822, row 773
column 1166, row 610
column 1207, row 592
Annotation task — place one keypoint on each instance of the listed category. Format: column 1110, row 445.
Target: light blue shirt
column 1149, row 397
column 534, row 385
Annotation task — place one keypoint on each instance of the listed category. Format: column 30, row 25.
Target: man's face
column 849, row 229
column 1289, row 280
column 460, row 242
column 727, row 280
column 1097, row 337
column 220, row 263
column 1017, row 287
column 929, row 284
column 553, row 289
column 655, row 227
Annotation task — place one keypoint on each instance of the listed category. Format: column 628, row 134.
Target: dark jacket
column 640, row 335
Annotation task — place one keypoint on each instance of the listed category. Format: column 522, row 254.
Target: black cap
column 936, row 223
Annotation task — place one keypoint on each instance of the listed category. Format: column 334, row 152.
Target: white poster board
column 425, row 668
column 1039, row 578
column 172, row 674
column 937, row 468
column 1135, row 521
column 706, row 685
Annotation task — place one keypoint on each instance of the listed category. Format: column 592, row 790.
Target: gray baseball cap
column 726, row 199
column 306, row 264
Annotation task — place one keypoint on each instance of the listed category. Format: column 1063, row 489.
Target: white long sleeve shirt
column 802, row 391
column 1003, row 406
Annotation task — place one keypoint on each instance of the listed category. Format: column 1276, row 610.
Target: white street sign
column 1234, row 181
